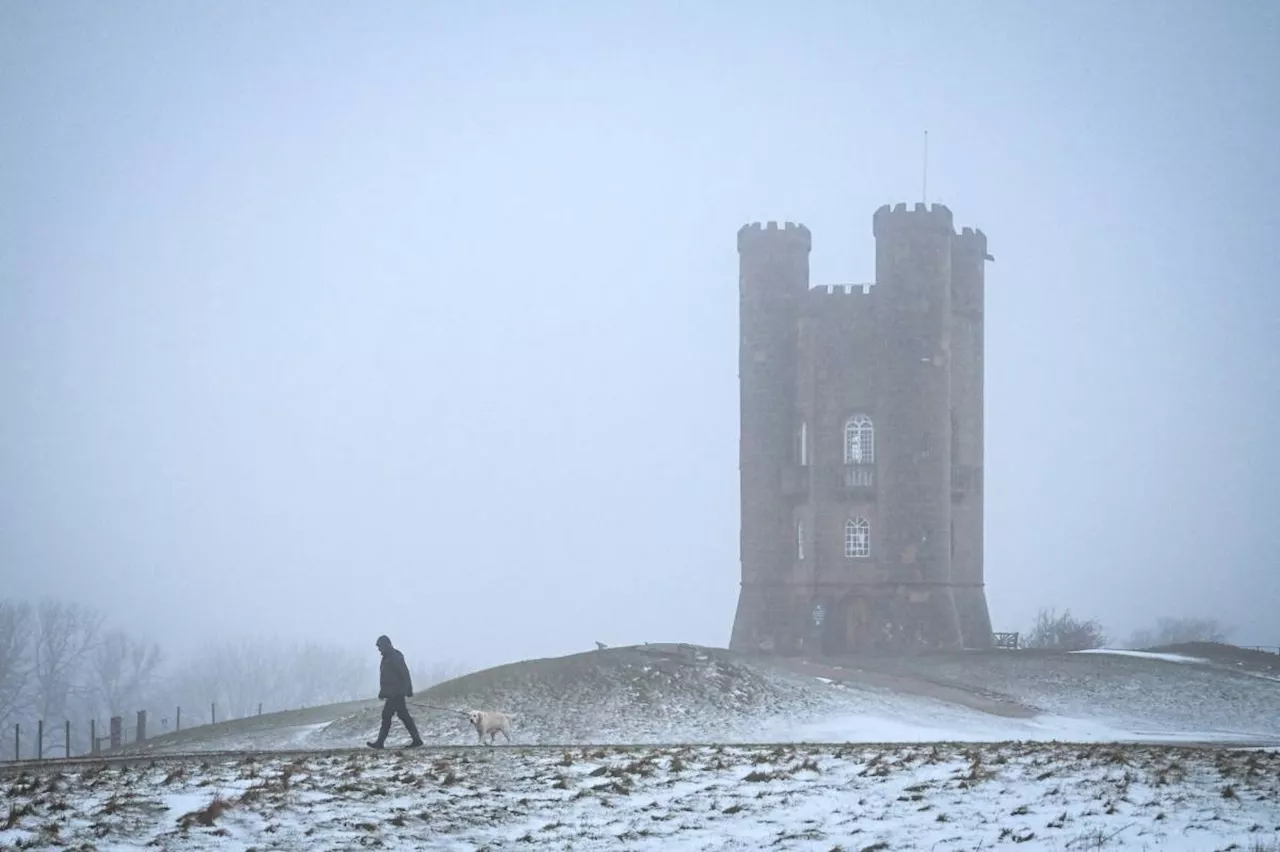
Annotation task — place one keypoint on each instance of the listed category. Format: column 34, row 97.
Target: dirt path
column 996, row 705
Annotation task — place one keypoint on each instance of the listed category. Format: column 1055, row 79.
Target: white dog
column 491, row 723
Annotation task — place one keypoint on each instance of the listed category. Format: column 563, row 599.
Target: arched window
column 859, row 440
column 800, row 539
column 802, row 444
column 857, row 538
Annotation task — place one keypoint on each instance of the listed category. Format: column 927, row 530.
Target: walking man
column 394, row 687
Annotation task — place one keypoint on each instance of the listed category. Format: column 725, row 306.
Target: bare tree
column 1065, row 633
column 245, row 672
column 239, row 674
column 15, row 664
column 1144, row 637
column 1176, row 631
column 233, row 675
column 123, row 671
column 431, row 674
column 320, row 674
column 242, row 673
column 65, row 635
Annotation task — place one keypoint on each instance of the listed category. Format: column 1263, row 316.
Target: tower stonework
column 773, row 280
column 860, row 451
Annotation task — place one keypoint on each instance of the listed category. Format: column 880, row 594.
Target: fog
column 326, row 320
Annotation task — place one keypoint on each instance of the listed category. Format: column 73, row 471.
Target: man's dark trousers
column 393, row 707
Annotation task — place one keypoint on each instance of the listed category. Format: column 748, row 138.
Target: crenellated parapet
column 839, row 290
column 839, row 300
column 920, row 218
column 770, row 237
column 970, row 243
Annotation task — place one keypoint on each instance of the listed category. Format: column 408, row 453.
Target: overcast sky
column 334, row 319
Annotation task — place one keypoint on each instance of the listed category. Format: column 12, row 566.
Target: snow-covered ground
column 652, row 696
column 1133, row 694
column 1031, row 796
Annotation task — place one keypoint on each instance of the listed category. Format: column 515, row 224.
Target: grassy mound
column 646, row 693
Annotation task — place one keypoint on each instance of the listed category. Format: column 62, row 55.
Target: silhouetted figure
column 395, row 685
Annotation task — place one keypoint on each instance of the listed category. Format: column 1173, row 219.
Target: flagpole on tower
column 924, row 182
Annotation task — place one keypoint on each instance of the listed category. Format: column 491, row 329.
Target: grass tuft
column 207, row 815
column 16, row 812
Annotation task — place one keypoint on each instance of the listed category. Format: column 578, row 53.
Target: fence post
column 40, row 740
column 178, row 723
column 17, row 741
column 66, row 737
column 93, row 736
column 142, row 726
column 117, row 733
column 213, row 713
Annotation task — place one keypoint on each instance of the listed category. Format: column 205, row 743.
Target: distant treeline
column 65, row 661
column 1066, row 632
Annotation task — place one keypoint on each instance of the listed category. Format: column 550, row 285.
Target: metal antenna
column 924, row 184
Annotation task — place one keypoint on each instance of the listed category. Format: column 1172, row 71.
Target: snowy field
column 1029, row 796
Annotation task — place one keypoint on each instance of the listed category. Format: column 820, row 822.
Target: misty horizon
column 323, row 321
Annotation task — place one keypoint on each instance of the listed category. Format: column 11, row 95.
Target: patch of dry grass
column 207, row 815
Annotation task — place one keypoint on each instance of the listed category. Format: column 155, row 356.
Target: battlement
column 971, row 241
column 838, row 302
column 839, row 290
column 922, row 217
column 790, row 235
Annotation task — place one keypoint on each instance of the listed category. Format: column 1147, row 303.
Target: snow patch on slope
column 1146, row 655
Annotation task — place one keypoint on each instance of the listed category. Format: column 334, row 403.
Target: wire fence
column 33, row 739
column 40, row 741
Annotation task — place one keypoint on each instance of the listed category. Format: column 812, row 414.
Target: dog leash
column 441, row 709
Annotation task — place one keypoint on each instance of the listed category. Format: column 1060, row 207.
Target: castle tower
column 913, row 429
column 968, row 271
column 861, row 444
column 773, row 277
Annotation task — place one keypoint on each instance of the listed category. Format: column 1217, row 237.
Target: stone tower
column 861, row 443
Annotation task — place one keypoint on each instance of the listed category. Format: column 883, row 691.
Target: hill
column 684, row 693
